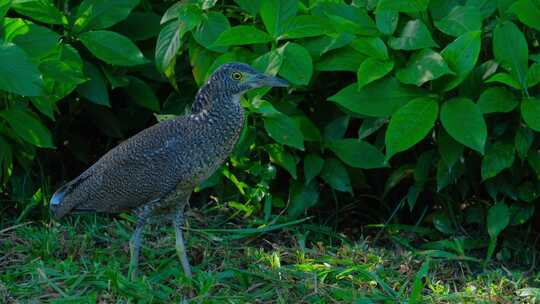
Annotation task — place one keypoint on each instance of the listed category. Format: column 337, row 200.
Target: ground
column 85, row 260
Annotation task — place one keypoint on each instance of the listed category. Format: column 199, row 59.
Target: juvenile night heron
column 154, row 172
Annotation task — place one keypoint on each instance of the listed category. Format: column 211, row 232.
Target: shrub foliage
column 428, row 107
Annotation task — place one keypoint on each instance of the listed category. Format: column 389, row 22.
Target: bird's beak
column 263, row 80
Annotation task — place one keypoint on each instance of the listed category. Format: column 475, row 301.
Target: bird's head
column 237, row 78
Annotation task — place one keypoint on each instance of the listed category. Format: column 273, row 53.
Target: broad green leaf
column 372, row 69
column 530, row 111
column 533, row 75
column 379, row 99
column 308, row 128
column 44, row 104
column 297, row 66
column 448, row 175
column 450, row 149
column 499, row 156
column 497, row 99
column 209, row 30
column 301, row 197
column 17, row 73
column 313, row 165
column 510, row 49
column 505, row 78
column 94, row 89
column 140, row 26
column 276, row 13
column 357, row 153
column 284, row 130
column 343, row 59
column 242, row 35
column 460, row 20
column 321, row 45
column 28, row 127
column 282, row 158
column 463, row 120
column 371, row 46
column 37, row 41
column 112, row 48
column 461, row 56
column 304, row 26
column 528, row 12
column 346, row 18
column 498, row 218
column 335, row 174
column 443, row 223
column 336, row 128
column 370, row 126
column 252, row 7
column 101, row 14
column 425, row 65
column 4, row 7
column 168, row 45
column 410, row 124
column 414, row 36
column 523, row 141
column 404, row 6
column 65, row 67
column 142, row 94
column 485, row 7
column 40, row 10
column 387, row 21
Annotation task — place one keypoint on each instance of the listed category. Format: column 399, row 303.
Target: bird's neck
column 215, row 106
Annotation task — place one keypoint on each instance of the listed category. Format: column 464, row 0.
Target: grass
column 85, row 259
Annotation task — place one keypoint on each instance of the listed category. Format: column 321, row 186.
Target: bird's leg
column 178, row 222
column 135, row 247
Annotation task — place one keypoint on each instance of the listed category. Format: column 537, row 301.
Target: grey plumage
column 155, row 171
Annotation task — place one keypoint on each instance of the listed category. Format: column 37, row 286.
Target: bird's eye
column 236, row 76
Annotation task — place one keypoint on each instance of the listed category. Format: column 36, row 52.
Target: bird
column 154, row 172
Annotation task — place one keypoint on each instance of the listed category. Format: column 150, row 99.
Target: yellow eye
column 236, row 76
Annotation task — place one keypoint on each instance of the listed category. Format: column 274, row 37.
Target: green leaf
column 346, row 18
column 461, row 56
column 335, row 174
column 304, row 26
column 530, row 111
column 371, row 46
column 414, row 36
column 497, row 99
column 425, row 65
column 386, row 21
column 296, row 66
column 533, row 75
column 101, row 14
column 410, row 124
column 523, row 141
column 370, row 126
column 443, row 223
column 308, row 128
column 336, row 128
column 301, row 197
column 282, row 158
column 28, row 127
column 462, row 119
column 510, row 49
column 460, row 20
column 65, row 67
column 372, row 69
column 528, row 12
column 252, row 7
column 210, row 29
column 168, row 45
column 498, row 218
column 4, row 7
column 313, row 165
column 40, row 10
column 284, row 130
column 379, row 99
column 534, row 161
column 142, row 94
column 404, row 6
column 37, row 41
column 17, row 73
column 505, row 78
column 357, row 153
column 343, row 59
column 276, row 13
column 94, row 89
column 242, row 35
column 449, row 149
column 499, row 156
column 112, row 48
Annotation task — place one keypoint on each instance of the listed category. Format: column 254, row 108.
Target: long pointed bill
column 272, row 81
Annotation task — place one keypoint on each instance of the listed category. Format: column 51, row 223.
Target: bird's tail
column 60, row 203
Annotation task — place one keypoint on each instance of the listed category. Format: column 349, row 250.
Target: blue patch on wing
column 57, row 198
